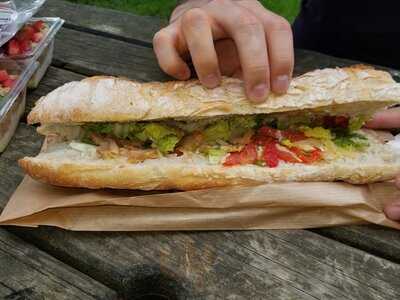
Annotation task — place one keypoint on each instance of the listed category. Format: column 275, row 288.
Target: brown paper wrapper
column 272, row 206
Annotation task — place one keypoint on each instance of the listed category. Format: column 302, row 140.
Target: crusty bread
column 110, row 99
column 64, row 166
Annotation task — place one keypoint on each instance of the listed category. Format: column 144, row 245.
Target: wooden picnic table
column 349, row 262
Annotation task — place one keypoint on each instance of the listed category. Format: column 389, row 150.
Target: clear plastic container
column 12, row 104
column 42, row 51
column 52, row 26
column 13, row 14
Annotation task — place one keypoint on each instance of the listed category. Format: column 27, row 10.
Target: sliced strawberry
column 26, row 33
column 38, row 25
column 37, row 37
column 248, row 155
column 25, row 45
column 271, row 155
column 8, row 83
column 13, row 48
column 4, row 75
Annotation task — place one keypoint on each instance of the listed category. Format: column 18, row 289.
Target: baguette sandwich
column 107, row 132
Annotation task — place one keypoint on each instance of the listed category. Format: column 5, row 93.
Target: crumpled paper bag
column 270, row 206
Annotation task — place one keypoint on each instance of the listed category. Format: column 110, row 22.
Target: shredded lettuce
column 218, row 131
column 226, row 129
column 352, row 141
column 357, row 122
column 167, row 143
column 215, row 154
column 317, row 132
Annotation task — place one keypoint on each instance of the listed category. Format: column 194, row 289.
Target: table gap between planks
column 350, row 262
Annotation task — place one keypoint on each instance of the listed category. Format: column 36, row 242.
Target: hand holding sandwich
column 226, row 37
column 389, row 119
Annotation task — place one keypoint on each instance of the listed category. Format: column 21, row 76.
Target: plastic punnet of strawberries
column 26, row 39
column 7, row 81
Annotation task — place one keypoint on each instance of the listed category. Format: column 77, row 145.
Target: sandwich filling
column 263, row 140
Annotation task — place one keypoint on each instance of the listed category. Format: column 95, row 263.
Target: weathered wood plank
column 90, row 54
column 28, row 273
column 378, row 240
column 117, row 24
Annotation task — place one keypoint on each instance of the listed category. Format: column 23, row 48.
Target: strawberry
column 8, row 83
column 25, row 45
column 13, row 48
column 26, row 33
column 38, row 25
column 4, row 75
column 37, row 37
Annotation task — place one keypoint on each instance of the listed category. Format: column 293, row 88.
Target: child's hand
column 227, row 37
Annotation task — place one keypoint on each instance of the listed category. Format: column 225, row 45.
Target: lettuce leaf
column 352, row 141
column 225, row 129
column 215, row 154
column 167, row 143
column 357, row 122
column 218, row 131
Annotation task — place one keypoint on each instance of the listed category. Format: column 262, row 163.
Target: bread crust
column 110, row 99
column 164, row 174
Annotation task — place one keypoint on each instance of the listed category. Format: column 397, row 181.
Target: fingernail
column 211, row 80
column 281, row 84
column 259, row 92
column 393, row 212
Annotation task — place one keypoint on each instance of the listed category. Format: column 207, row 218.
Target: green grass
column 163, row 8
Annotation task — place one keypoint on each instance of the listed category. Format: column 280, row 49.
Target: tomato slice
column 336, row 121
column 307, row 157
column 293, row 136
column 248, row 155
column 268, row 131
column 265, row 133
column 288, row 156
column 271, row 157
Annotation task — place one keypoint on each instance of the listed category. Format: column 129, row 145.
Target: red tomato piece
column 8, row 83
column 38, row 25
column 248, row 155
column 336, row 121
column 287, row 156
column 271, row 155
column 341, row 121
column 268, row 131
column 293, row 136
column 37, row 37
column 233, row 159
column 13, row 48
column 4, row 75
column 308, row 157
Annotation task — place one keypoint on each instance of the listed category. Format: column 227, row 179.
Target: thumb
column 386, row 119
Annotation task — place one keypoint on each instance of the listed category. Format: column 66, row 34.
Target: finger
column 165, row 47
column 228, row 58
column 248, row 33
column 279, row 39
column 386, row 119
column 392, row 211
column 197, row 33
